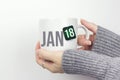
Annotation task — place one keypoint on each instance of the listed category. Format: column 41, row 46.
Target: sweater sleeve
column 106, row 42
column 91, row 64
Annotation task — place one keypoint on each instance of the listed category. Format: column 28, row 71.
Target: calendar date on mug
column 56, row 38
column 69, row 32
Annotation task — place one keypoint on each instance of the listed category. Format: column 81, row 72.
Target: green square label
column 69, row 32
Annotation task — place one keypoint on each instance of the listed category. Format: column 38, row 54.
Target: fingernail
column 89, row 42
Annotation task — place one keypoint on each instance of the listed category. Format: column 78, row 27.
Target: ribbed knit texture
column 85, row 63
column 107, row 43
column 91, row 64
column 103, row 62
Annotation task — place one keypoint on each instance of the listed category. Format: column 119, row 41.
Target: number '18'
column 69, row 32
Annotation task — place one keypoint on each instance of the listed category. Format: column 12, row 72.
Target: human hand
column 87, row 44
column 50, row 60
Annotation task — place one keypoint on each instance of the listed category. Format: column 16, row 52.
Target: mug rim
column 47, row 19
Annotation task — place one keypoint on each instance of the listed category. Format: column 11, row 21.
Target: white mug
column 59, row 34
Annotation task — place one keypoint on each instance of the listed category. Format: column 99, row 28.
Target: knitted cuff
column 85, row 63
column 106, row 42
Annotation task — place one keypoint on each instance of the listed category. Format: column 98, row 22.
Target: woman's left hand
column 51, row 60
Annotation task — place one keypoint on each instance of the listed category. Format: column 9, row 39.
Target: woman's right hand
column 87, row 44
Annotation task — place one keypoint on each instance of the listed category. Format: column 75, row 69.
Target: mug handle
column 86, row 32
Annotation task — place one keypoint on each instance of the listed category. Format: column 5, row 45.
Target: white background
column 19, row 32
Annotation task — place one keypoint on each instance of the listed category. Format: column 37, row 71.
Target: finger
column 91, row 38
column 82, row 41
column 81, row 48
column 49, row 66
column 91, row 26
column 84, row 36
column 37, row 55
column 45, row 64
column 46, row 55
column 81, row 36
column 38, row 59
column 37, row 46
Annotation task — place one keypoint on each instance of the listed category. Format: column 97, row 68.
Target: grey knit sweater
column 102, row 62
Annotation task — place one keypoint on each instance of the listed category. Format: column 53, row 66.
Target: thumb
column 90, row 26
column 37, row 46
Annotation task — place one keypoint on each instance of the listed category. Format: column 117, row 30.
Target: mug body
column 52, row 36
